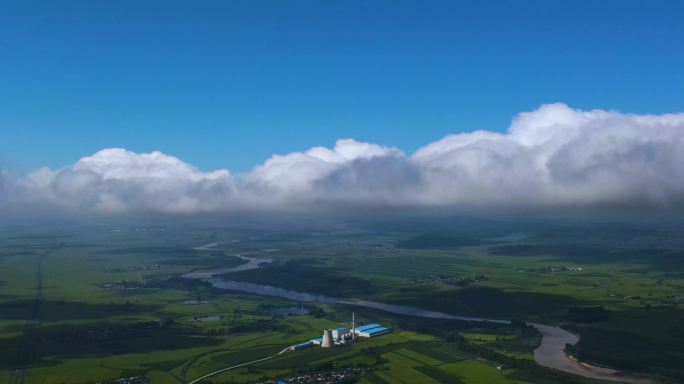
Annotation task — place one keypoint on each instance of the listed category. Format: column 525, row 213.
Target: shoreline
column 550, row 353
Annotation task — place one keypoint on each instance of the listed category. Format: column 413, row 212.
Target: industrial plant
column 343, row 336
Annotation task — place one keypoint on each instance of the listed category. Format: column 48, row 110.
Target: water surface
column 550, row 353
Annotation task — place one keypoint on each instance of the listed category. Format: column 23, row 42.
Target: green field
column 82, row 304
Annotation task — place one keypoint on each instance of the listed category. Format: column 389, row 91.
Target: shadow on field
column 56, row 344
column 631, row 342
column 56, row 311
column 486, row 302
column 308, row 276
column 658, row 259
column 179, row 256
column 158, row 250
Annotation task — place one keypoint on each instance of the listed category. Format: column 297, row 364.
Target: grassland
column 87, row 326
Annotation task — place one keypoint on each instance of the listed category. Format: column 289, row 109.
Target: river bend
column 550, row 353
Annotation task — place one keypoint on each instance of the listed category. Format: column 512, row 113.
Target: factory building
column 333, row 337
column 344, row 336
column 362, row 328
column 340, row 334
column 301, row 346
column 371, row 330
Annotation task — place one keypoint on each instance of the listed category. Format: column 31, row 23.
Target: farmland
column 85, row 304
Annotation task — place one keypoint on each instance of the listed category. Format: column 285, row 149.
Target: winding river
column 550, row 353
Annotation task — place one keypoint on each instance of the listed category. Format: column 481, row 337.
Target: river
column 550, row 353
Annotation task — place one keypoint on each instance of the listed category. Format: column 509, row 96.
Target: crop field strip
column 74, row 301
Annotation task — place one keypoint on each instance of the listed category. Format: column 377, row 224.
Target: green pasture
column 623, row 301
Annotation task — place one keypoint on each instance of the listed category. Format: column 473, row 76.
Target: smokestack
column 353, row 327
column 327, row 339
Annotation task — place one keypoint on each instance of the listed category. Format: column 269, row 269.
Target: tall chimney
column 353, row 327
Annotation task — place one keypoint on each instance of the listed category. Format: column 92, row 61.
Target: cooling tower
column 327, row 339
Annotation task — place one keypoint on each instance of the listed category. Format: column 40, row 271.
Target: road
column 29, row 346
column 237, row 366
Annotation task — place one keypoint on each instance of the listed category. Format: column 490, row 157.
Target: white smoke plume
column 554, row 156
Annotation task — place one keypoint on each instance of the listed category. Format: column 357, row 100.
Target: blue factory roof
column 376, row 330
column 304, row 343
column 367, row 327
column 341, row 329
column 319, row 339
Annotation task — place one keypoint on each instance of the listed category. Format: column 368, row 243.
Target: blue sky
column 226, row 84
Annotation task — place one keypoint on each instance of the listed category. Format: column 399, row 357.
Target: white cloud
column 120, row 164
column 554, row 156
column 299, row 171
column 560, row 156
column 119, row 180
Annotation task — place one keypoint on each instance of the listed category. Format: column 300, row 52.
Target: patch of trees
column 528, row 368
column 438, row 240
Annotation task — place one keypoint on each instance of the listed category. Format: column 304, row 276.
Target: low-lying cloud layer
column 554, row 156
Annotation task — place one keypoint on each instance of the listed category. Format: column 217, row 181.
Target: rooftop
column 376, row 330
column 366, row 327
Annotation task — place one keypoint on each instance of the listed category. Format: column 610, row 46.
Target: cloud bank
column 553, row 156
